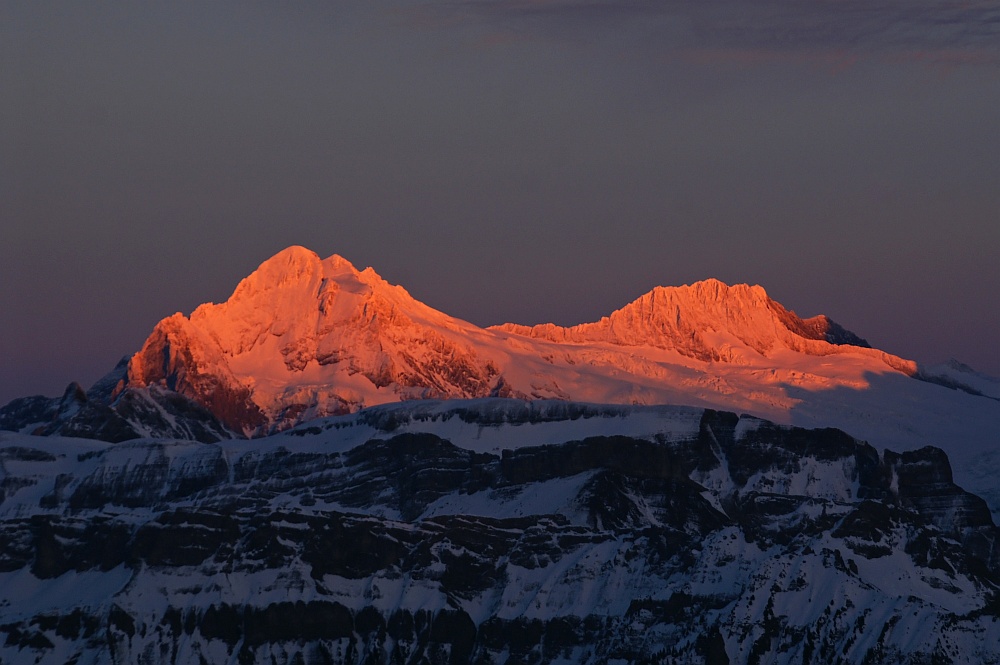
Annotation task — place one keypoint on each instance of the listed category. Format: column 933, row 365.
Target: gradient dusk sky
column 522, row 161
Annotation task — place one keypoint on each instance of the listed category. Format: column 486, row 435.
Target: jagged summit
column 705, row 321
column 698, row 320
column 304, row 337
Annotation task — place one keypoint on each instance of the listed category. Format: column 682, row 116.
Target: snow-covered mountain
column 276, row 479
column 494, row 531
column 303, row 338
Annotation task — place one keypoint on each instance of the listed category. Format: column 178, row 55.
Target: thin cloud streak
column 930, row 31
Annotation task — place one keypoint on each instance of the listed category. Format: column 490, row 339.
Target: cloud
column 950, row 31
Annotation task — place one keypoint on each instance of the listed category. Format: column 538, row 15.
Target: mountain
column 304, row 338
column 324, row 470
column 495, row 531
column 693, row 320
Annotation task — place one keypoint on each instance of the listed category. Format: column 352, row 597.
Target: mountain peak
column 307, row 337
column 284, row 296
column 701, row 320
column 714, row 289
column 304, row 337
column 294, row 252
column 338, row 262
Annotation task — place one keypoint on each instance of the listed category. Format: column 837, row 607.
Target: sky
column 523, row 161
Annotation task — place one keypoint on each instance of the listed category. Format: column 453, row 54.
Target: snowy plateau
column 324, row 470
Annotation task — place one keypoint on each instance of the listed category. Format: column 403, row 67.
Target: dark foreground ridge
column 739, row 542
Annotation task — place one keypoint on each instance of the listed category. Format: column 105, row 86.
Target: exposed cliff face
column 179, row 356
column 675, row 536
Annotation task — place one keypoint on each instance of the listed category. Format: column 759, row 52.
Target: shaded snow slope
column 958, row 375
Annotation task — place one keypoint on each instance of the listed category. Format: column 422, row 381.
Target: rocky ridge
column 685, row 318
column 487, row 532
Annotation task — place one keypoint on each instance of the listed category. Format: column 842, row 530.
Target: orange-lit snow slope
column 302, row 338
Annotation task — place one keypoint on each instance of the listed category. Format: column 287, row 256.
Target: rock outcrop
column 372, row 538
